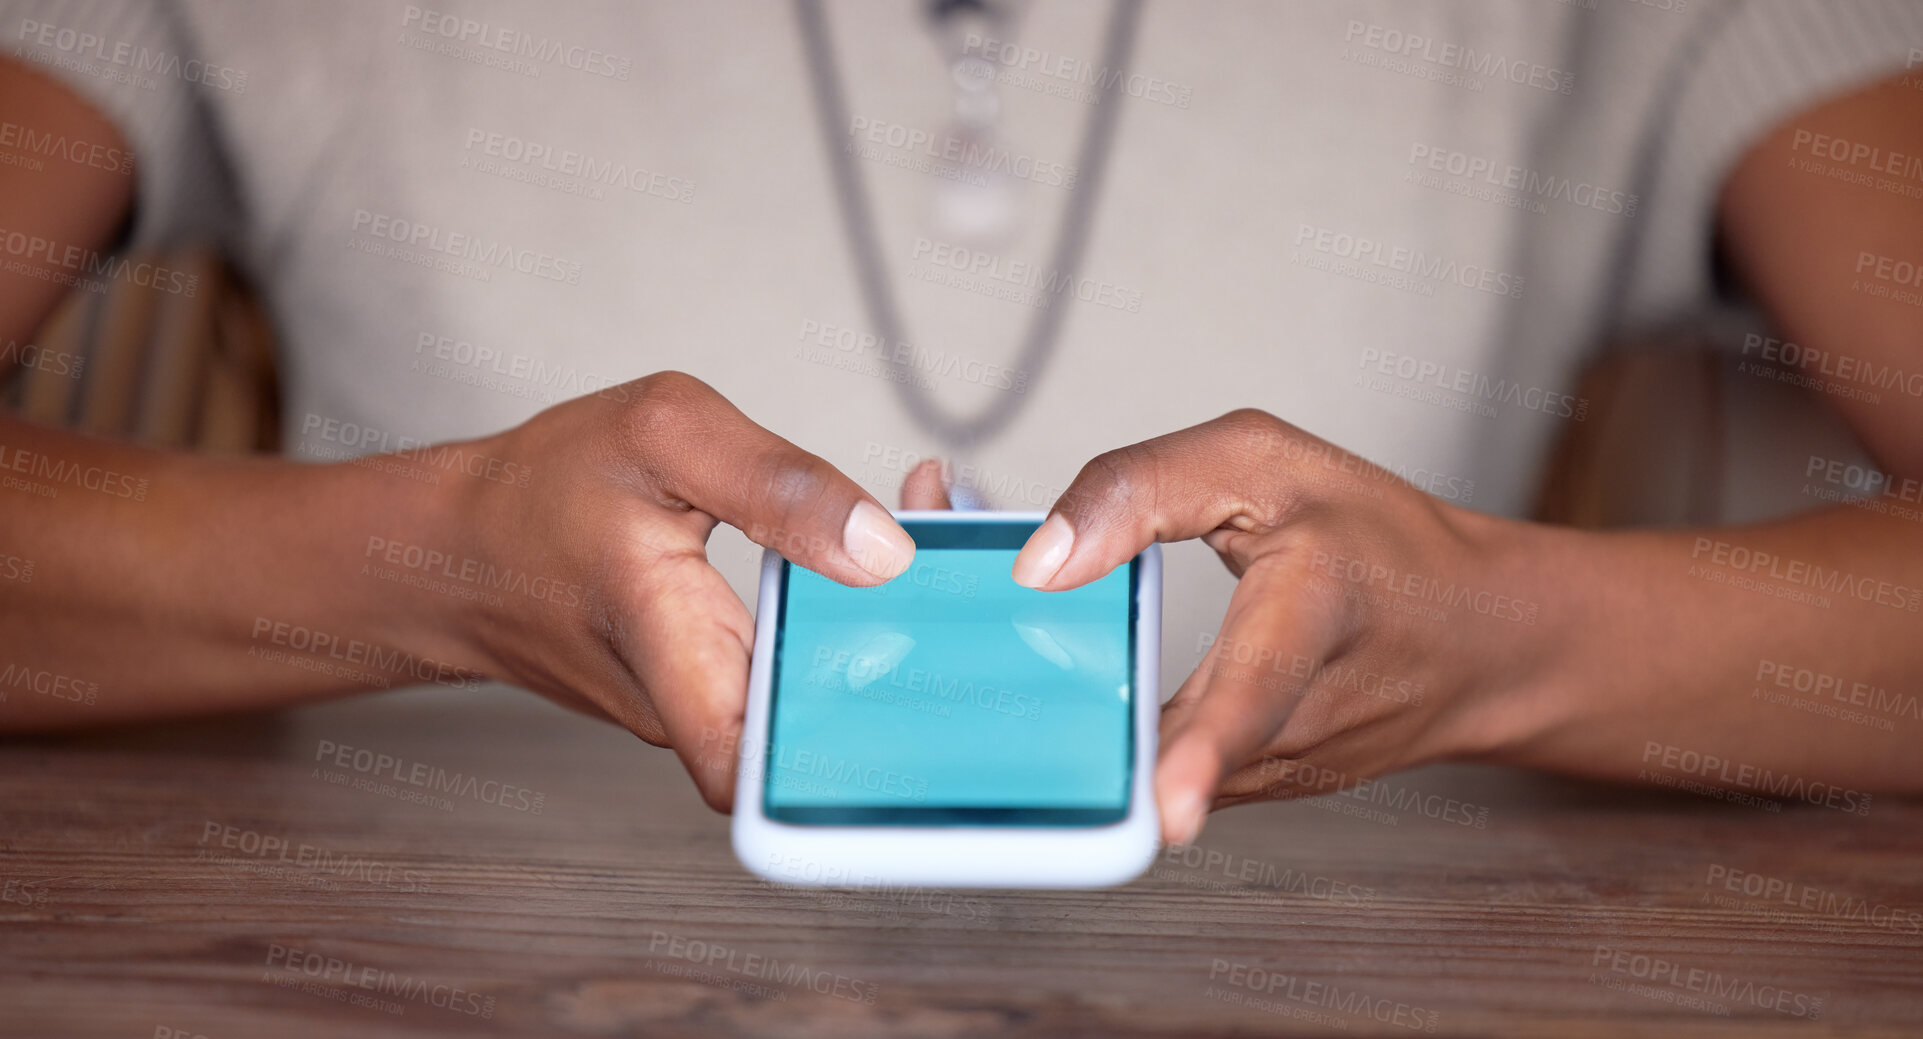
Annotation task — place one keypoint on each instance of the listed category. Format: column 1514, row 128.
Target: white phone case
column 958, row 856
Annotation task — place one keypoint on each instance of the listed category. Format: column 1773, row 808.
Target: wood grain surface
column 235, row 878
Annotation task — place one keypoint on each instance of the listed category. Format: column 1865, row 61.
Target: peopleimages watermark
column 1794, row 902
column 87, row 269
column 929, row 692
column 423, row 776
column 841, row 347
column 1394, row 266
column 1858, row 162
column 293, row 964
column 508, row 372
column 1889, row 278
column 1449, row 63
column 1856, row 702
column 501, row 46
column 368, row 447
column 1201, row 867
column 1064, row 76
column 1665, row 980
column 1315, row 781
column 809, row 772
column 310, row 649
column 15, row 568
column 1729, row 776
column 756, row 966
column 425, row 567
column 1826, row 371
column 50, row 684
column 32, row 894
column 266, row 853
column 570, row 172
column 848, row 890
column 61, row 473
column 1474, row 390
column 992, row 485
column 1751, row 566
column 952, row 155
column 120, row 61
column 1259, row 985
column 1016, row 281
column 30, row 147
column 463, row 253
column 830, row 349
column 1333, row 462
column 1671, row 6
column 42, row 359
column 1422, row 588
column 1313, row 680
column 935, row 578
column 1505, row 183
column 1864, row 487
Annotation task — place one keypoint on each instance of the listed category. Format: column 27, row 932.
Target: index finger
column 697, row 448
column 1172, row 488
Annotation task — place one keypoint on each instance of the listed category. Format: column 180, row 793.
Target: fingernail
column 1186, row 818
column 876, row 542
column 1046, row 551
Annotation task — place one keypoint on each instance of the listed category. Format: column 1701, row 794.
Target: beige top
column 1399, row 227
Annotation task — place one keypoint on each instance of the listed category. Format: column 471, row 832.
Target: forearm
column 140, row 583
column 1787, row 649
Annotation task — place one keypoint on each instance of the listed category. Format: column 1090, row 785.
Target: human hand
column 1374, row 628
column 632, row 622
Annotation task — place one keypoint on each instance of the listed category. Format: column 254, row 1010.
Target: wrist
column 413, row 556
column 1512, row 681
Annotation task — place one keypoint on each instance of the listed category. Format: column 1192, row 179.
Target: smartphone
column 952, row 728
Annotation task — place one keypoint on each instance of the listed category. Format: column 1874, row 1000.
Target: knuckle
column 664, row 403
column 1257, row 447
column 1115, row 477
column 658, row 413
column 789, row 484
column 671, row 385
column 788, row 478
column 1262, row 778
column 1262, row 455
column 1258, row 430
column 630, row 705
column 1250, row 419
column 643, row 723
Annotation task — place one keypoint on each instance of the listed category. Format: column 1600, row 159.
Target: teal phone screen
column 952, row 695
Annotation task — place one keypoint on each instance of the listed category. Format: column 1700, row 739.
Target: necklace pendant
column 975, row 208
column 975, row 204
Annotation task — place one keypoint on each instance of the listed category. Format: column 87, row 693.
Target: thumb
column 1172, row 488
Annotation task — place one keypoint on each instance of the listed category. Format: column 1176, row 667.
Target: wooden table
column 275, row 877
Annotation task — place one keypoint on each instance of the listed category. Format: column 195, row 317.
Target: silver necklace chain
column 1039, row 341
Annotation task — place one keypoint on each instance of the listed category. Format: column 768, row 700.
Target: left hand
column 1374, row 628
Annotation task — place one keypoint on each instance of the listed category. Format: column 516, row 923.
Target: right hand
column 624, row 488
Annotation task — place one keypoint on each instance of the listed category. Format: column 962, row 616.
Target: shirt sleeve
column 1755, row 64
column 130, row 60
